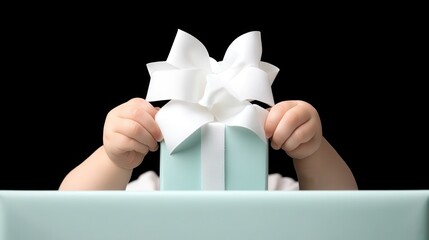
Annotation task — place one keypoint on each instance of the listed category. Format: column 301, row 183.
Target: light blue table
column 314, row 215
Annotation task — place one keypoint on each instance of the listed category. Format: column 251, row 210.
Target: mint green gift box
column 209, row 96
column 245, row 165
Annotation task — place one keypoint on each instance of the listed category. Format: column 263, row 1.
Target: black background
column 65, row 69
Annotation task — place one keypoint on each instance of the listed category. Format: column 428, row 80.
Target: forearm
column 324, row 170
column 97, row 172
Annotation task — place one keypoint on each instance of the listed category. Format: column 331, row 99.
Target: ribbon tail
column 178, row 120
column 251, row 117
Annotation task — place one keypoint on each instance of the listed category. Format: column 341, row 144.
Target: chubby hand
column 295, row 127
column 130, row 132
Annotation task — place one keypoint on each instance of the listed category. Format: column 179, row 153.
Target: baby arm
column 295, row 127
column 129, row 133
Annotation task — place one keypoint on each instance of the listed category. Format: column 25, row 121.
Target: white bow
column 202, row 90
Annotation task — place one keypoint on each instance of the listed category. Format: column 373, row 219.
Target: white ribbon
column 202, row 90
column 213, row 157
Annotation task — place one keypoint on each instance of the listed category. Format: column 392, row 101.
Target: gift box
column 214, row 136
column 216, row 157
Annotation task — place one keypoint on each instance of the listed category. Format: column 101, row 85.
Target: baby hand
column 295, row 127
column 130, row 132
